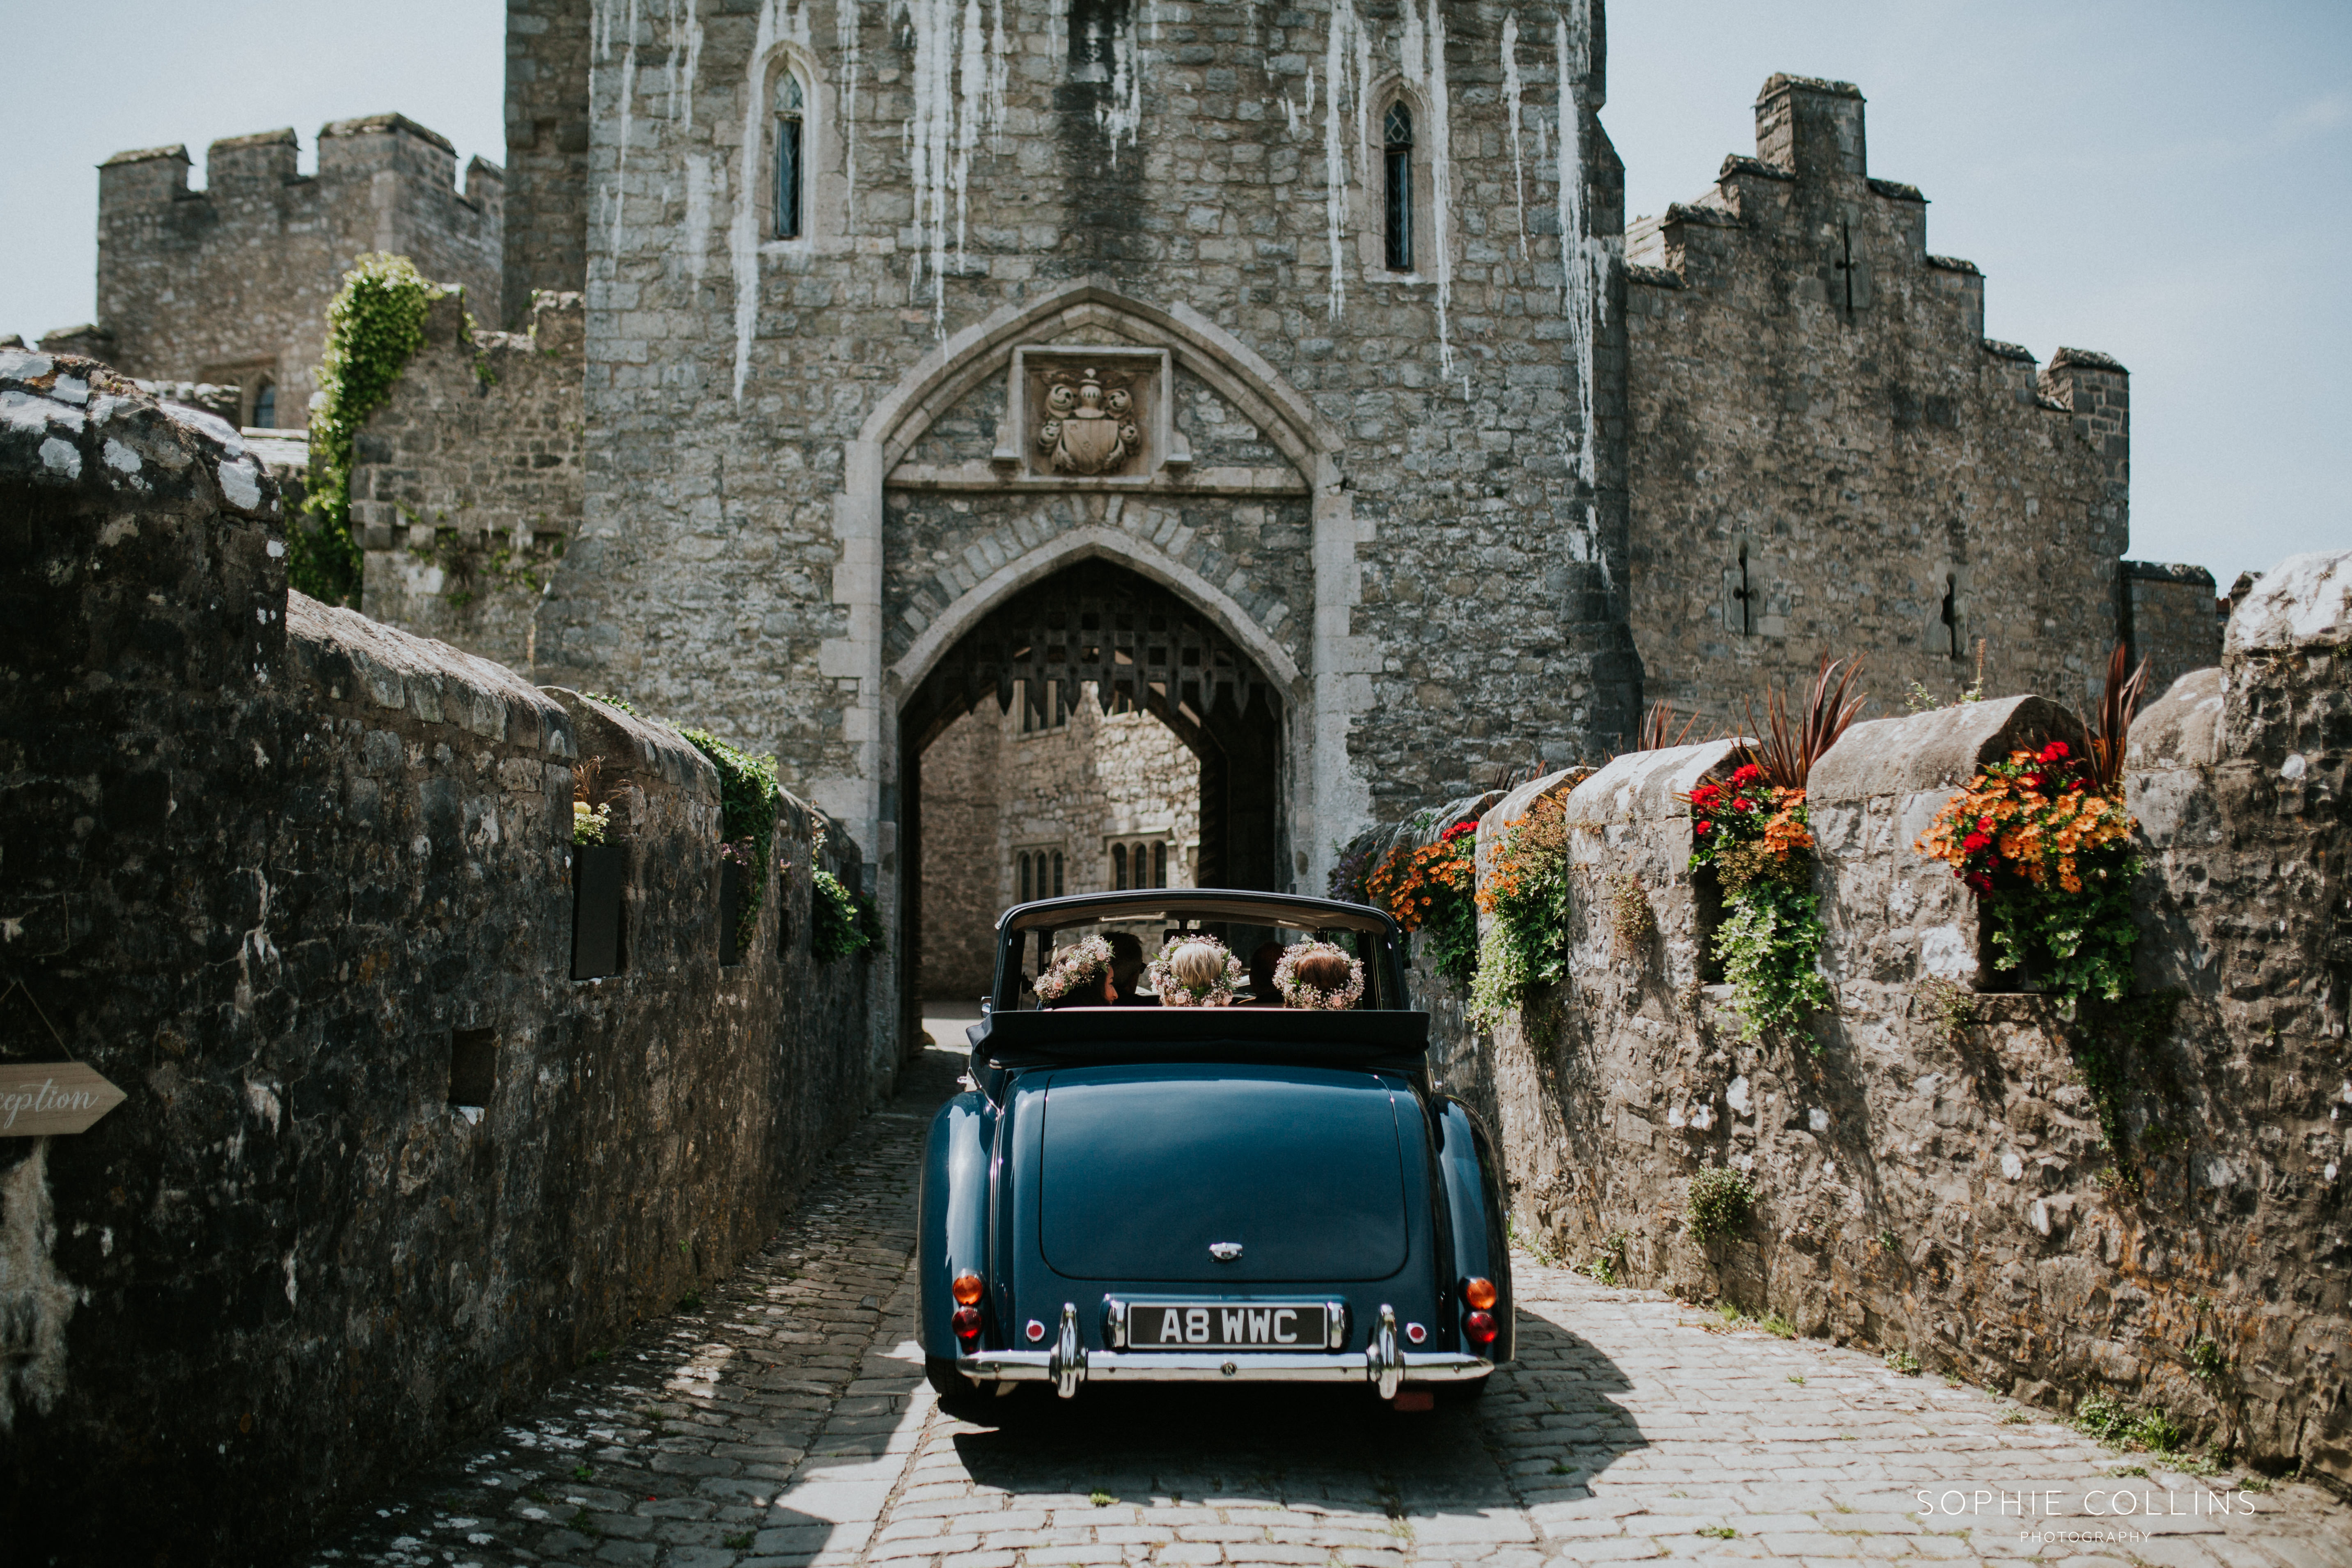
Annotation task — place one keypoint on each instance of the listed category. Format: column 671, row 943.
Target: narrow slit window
column 1118, row 867
column 1396, row 133
column 265, row 406
column 1057, row 873
column 1024, row 876
column 791, row 142
column 1952, row 612
column 1159, row 864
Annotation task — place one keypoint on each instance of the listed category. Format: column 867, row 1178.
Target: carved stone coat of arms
column 1089, row 427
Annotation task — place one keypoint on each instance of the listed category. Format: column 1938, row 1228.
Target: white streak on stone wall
column 628, row 102
column 36, row 1300
column 971, row 103
column 1440, row 184
column 1511, row 107
column 698, row 215
column 1572, row 48
column 1345, row 31
column 958, row 98
column 682, row 96
column 845, row 40
column 1000, row 71
column 744, row 234
column 1120, row 113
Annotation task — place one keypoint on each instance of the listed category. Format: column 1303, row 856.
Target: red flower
column 1980, row 881
column 1704, row 796
column 2054, row 752
column 2031, row 781
column 1745, row 773
column 1456, row 831
column 1984, row 825
column 1702, row 828
column 1975, row 841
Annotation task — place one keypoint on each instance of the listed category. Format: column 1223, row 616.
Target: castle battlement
column 1813, row 400
column 230, row 283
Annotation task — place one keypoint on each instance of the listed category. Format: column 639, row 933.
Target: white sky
column 2111, row 167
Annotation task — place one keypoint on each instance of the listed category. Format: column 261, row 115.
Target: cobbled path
column 786, row 1422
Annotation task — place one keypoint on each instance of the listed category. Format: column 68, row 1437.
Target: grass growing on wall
column 375, row 326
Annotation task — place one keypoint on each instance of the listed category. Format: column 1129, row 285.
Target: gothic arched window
column 1159, row 864
column 1396, row 136
column 792, row 142
column 1024, row 876
column 1058, row 874
column 1118, row 867
column 265, row 404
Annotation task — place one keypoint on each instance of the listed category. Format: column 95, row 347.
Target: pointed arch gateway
column 1032, row 537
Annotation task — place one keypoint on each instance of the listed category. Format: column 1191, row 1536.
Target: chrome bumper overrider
column 1069, row 1365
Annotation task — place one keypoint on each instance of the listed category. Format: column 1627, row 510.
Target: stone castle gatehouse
column 1282, row 373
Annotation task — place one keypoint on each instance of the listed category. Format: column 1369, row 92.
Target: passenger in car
column 1079, row 976
column 1263, row 960
column 1126, row 970
column 1319, row 975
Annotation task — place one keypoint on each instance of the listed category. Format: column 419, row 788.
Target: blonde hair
column 1197, row 964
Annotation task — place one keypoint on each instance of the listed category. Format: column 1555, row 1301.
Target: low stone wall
column 1933, row 1171
column 299, row 885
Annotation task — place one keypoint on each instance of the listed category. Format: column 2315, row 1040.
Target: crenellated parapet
column 230, row 283
column 1827, row 452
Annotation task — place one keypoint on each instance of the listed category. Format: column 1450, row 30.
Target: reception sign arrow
column 41, row 1097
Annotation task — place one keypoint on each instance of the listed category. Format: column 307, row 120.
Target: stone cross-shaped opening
column 1844, row 263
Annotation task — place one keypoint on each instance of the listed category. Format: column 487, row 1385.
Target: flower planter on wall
column 730, row 912
column 600, row 880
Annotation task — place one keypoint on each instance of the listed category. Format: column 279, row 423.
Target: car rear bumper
column 1167, row 1366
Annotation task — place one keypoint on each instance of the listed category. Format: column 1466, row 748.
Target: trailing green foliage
column 749, row 795
column 1769, row 946
column 622, row 703
column 840, row 924
column 375, row 325
column 2077, row 945
column 1721, row 1204
column 2112, row 1422
column 1526, row 892
column 2106, row 1040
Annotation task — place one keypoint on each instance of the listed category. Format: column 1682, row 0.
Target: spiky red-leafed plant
column 2119, row 705
column 1789, row 747
column 1658, row 732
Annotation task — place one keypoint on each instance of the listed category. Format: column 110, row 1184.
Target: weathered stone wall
column 756, row 405
column 231, row 283
column 549, row 45
column 997, row 786
column 465, row 484
column 261, row 861
column 2172, row 620
column 1827, row 453
column 1943, row 1184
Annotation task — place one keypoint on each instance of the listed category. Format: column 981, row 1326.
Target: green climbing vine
column 749, row 795
column 375, row 323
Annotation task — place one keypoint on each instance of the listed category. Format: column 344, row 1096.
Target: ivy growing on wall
column 374, row 326
column 749, row 795
column 842, row 924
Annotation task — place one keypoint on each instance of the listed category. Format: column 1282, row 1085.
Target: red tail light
column 1480, row 1327
column 966, row 1324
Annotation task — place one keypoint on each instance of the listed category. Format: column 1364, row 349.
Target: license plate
column 1226, row 1326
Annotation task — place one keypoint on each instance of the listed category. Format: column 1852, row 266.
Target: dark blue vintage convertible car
column 1208, row 1193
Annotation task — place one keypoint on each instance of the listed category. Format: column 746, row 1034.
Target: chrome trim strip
column 1335, row 1325
column 1114, row 1323
column 1161, row 1366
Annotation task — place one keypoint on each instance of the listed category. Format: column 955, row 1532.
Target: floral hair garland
column 1075, row 967
column 1297, row 992
column 1216, row 973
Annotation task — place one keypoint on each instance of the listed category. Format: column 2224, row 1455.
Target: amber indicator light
column 967, row 1290
column 1479, row 1293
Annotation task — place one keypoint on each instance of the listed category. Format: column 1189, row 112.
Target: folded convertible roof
column 1290, row 910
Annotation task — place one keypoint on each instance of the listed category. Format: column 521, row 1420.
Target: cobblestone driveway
column 785, row 1422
